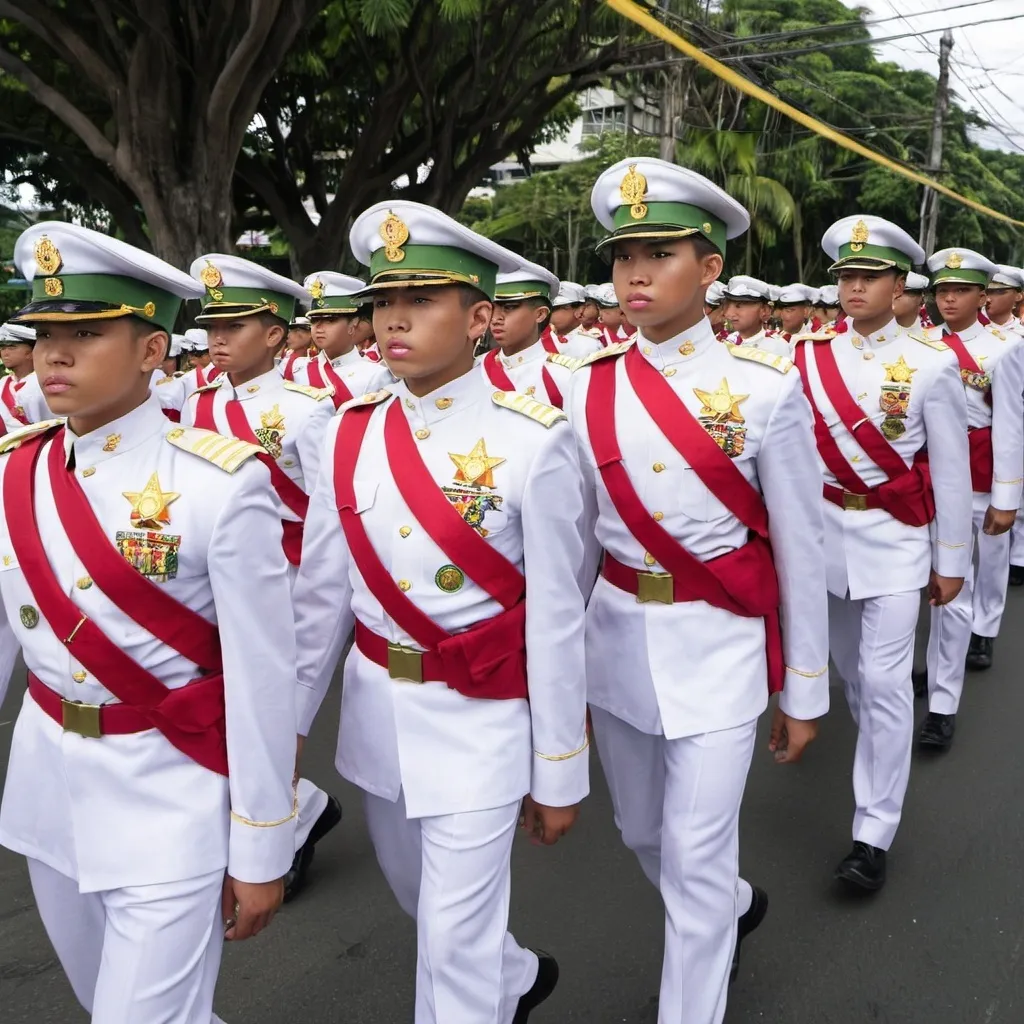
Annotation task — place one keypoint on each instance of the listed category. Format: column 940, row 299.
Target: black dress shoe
column 936, row 735
column 919, row 677
column 979, row 653
column 295, row 880
column 1017, row 575
column 747, row 923
column 547, row 979
column 863, row 867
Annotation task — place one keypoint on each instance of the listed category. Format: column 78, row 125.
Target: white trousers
column 1017, row 540
column 450, row 873
column 872, row 645
column 978, row 608
column 146, row 953
column 677, row 805
column 312, row 802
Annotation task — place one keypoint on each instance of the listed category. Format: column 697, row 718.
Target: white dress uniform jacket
column 525, row 370
column 581, row 341
column 359, row 375
column 774, row 343
column 26, row 395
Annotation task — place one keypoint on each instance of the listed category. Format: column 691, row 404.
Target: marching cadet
column 714, row 309
column 435, row 495
column 150, row 775
column 992, row 370
column 246, row 313
column 747, row 307
column 830, row 304
column 294, row 351
column 1002, row 296
column 566, row 318
column 21, row 398
column 522, row 306
column 698, row 459
column 610, row 315
column 881, row 397
column 907, row 307
column 334, row 316
column 793, row 307
column 591, row 312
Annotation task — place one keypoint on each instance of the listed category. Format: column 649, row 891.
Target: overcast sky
column 987, row 61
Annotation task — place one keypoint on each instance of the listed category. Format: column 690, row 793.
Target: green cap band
column 523, row 290
column 329, row 305
column 126, row 296
column 853, row 252
column 431, row 265
column 960, row 276
column 224, row 303
column 665, row 220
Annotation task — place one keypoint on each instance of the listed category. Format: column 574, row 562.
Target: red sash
column 288, row 366
column 629, row 329
column 372, row 353
column 549, row 339
column 208, row 377
column 608, row 337
column 498, row 376
column 191, row 717
column 907, row 495
column 290, row 493
column 743, row 582
column 317, row 379
column 969, row 366
column 7, row 394
column 489, row 659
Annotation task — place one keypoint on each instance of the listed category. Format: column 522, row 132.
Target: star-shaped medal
column 899, row 372
column 476, row 467
column 721, row 404
column 149, row 506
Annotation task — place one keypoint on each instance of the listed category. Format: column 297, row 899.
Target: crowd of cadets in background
column 758, row 478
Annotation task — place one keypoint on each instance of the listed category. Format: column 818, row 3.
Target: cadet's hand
column 997, row 521
column 790, row 737
column 942, row 589
column 248, row 907
column 546, row 825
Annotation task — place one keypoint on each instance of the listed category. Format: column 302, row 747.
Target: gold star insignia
column 721, row 404
column 149, row 506
column 475, row 468
column 899, row 372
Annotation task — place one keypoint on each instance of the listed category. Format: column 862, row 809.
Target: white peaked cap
column 743, row 287
column 570, row 294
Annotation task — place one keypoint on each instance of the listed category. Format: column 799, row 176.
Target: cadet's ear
column 157, row 345
column 479, row 319
column 711, row 268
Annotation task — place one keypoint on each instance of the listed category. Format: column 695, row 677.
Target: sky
column 987, row 67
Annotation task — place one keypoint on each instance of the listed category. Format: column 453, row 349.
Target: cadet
column 611, row 316
column 566, row 318
column 245, row 314
column 699, row 462
column 334, row 316
column 434, row 496
column 714, row 309
column 298, row 342
column 881, row 398
column 520, row 316
column 908, row 308
column 1002, row 295
column 152, row 751
column 992, row 370
column 793, row 306
column 747, row 307
column 21, row 398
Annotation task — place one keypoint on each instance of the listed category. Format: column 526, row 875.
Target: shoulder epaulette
column 227, row 453
column 166, row 380
column 604, row 353
column 760, row 355
column 212, row 386
column 934, row 343
column 371, row 397
column 16, row 437
column 545, row 415
column 317, row 394
column 998, row 333
column 567, row 361
column 813, row 336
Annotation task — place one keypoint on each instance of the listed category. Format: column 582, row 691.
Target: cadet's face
column 95, row 371
column 867, row 294
column 959, row 304
column 516, row 324
column 199, row 359
column 17, row 358
column 612, row 317
column 298, row 339
column 362, row 332
column 566, row 318
column 427, row 335
column 793, row 317
column 907, row 305
column 240, row 346
column 332, row 334
column 716, row 314
column 590, row 313
column 1000, row 304
column 661, row 284
column 746, row 317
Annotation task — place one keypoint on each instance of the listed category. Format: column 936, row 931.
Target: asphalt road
column 942, row 943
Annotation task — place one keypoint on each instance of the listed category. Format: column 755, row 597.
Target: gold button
column 84, row 583
column 668, row 373
column 89, row 471
column 443, row 403
column 253, row 388
column 659, row 467
column 404, row 585
column 423, row 434
column 287, row 462
column 410, row 404
column 658, row 516
column 519, row 360
column 649, row 559
column 869, row 355
column 175, row 433
column 647, row 350
column 405, row 531
column 79, row 677
column 687, row 348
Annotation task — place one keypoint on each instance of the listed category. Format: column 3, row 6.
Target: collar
column 976, row 330
column 352, row 356
column 753, row 339
column 269, row 381
column 528, row 355
column 683, row 348
column 878, row 339
column 445, row 401
column 117, row 437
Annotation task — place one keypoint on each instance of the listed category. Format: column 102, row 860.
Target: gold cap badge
column 395, row 233
column 954, row 261
column 633, row 189
column 316, row 289
column 48, row 257
column 858, row 236
column 54, row 287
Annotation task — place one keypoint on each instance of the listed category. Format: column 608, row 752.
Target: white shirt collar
column 116, row 437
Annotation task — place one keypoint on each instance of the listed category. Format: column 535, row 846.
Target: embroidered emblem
column 473, row 506
column 270, row 433
column 316, row 289
column 395, row 233
column 47, row 256
column 149, row 506
column 54, row 287
column 858, row 236
column 153, row 555
column 980, row 381
column 113, row 440
column 894, row 399
column 531, row 390
column 720, row 416
column 450, row 579
column 29, row 616
column 954, row 261
column 476, row 467
column 633, row 189
column 211, row 279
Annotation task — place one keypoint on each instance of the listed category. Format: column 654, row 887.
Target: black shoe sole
column 329, row 818
column 758, row 910
column 933, row 746
column 859, row 882
column 543, row 986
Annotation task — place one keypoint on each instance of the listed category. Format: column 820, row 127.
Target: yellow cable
column 630, row 10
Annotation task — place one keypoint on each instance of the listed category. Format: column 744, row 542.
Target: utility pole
column 930, row 199
column 670, row 87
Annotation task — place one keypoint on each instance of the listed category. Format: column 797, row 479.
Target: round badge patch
column 449, row 578
column 29, row 616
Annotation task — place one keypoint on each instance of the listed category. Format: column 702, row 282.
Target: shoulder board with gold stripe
column 567, row 361
column 814, row 336
column 603, row 353
column 11, row 441
column 317, row 394
column 932, row 342
column 998, row 333
column 545, row 415
column 227, row 453
column 760, row 355
column 212, row 386
column 167, row 380
column 370, row 398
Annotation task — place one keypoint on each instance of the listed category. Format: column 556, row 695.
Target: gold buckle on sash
column 655, row 586
column 405, row 664
column 855, row 502
column 83, row 719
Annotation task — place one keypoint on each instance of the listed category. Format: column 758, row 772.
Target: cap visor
column 230, row 312
column 56, row 310
column 861, row 263
column 651, row 232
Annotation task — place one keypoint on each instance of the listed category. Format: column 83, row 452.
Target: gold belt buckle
column 83, row 719
column 655, row 586
column 405, row 664
column 855, row 502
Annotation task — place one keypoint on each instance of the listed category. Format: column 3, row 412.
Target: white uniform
column 444, row 774
column 359, row 375
column 978, row 608
column 774, row 343
column 25, row 395
column 675, row 690
column 877, row 565
column 290, row 359
column 582, row 341
column 170, row 393
column 526, row 371
column 127, row 837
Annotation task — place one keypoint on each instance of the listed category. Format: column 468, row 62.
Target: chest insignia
column 270, row 432
column 720, row 416
column 894, row 399
column 474, row 477
column 476, row 467
column 153, row 555
column 978, row 381
column 150, row 505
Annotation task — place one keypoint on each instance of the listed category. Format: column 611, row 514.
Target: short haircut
column 470, row 296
